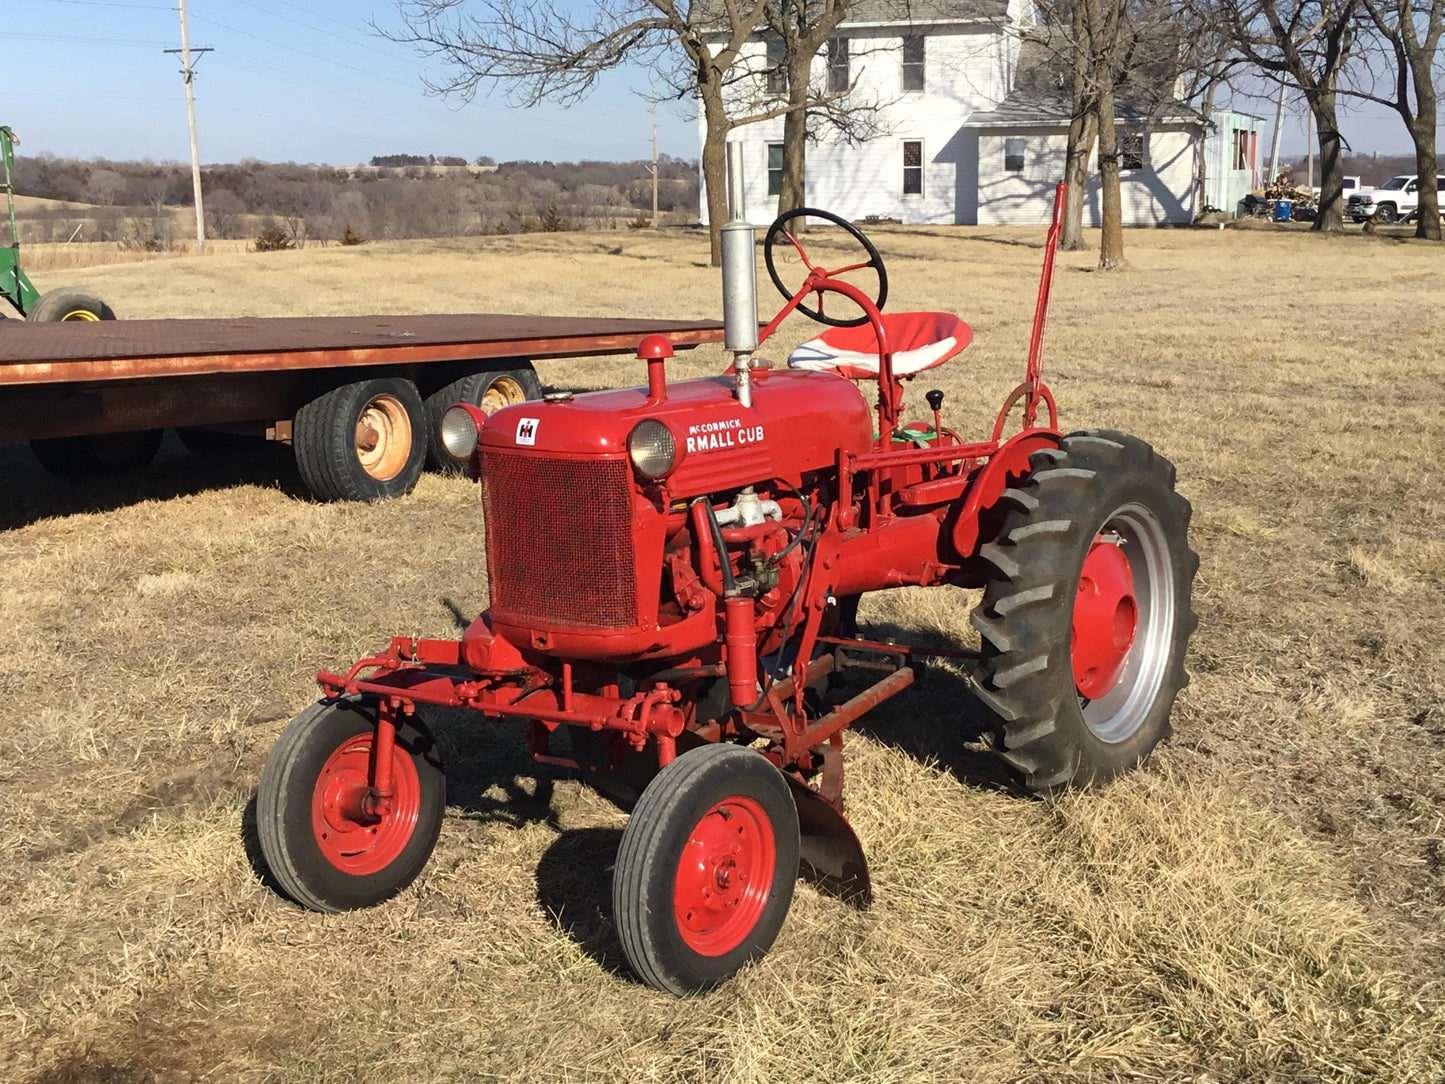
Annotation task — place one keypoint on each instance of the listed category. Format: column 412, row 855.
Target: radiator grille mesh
column 559, row 541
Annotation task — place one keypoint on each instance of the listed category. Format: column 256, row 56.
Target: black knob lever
column 935, row 400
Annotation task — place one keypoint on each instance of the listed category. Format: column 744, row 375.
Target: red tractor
column 674, row 574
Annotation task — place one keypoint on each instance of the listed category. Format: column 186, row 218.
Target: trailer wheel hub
column 383, row 437
column 350, row 838
column 1106, row 617
column 725, row 876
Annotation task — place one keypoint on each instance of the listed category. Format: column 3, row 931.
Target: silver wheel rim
column 1117, row 715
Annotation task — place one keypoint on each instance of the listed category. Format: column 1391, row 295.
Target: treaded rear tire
column 324, row 440
column 1026, row 673
column 669, row 813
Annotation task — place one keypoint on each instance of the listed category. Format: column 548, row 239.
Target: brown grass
column 1265, row 903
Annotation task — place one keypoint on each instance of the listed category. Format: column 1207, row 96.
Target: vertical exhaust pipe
column 740, row 282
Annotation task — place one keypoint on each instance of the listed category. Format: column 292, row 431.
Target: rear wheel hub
column 1106, row 617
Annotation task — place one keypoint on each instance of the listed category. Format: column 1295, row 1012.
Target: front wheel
column 706, row 868
column 1086, row 615
column 324, row 850
column 1386, row 214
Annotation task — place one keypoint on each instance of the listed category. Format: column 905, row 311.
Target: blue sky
column 304, row 82
column 311, row 82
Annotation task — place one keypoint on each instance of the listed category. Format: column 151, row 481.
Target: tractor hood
column 797, row 423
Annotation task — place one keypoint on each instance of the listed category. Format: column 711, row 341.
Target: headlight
column 459, row 432
column 653, row 448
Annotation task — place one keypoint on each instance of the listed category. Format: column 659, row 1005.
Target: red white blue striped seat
column 919, row 341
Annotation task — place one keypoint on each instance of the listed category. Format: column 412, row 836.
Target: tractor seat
column 920, row 340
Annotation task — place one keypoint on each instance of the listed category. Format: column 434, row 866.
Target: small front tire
column 321, row 852
column 706, row 868
column 1386, row 214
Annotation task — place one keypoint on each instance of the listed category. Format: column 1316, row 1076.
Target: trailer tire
column 361, row 441
column 97, row 454
column 706, row 868
column 319, row 856
column 69, row 304
column 487, row 390
column 1086, row 615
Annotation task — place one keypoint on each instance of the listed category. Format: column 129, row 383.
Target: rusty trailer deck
column 85, row 352
column 74, row 379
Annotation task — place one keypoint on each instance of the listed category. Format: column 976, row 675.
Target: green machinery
column 14, row 284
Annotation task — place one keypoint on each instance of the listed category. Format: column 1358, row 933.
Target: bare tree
column 1305, row 43
column 802, row 28
column 542, row 50
column 1408, row 32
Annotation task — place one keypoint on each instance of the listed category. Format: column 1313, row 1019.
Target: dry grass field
column 1265, row 902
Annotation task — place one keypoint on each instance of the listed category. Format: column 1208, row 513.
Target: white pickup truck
column 1396, row 199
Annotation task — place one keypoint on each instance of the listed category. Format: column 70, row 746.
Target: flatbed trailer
column 357, row 397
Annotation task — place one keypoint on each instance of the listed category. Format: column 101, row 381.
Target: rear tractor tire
column 361, row 441
column 706, row 868
column 488, row 391
column 70, row 305
column 322, row 852
column 1086, row 616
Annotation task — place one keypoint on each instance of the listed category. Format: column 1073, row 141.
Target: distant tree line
column 132, row 202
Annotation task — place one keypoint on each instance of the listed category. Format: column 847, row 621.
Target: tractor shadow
column 33, row 493
column 937, row 720
column 574, row 889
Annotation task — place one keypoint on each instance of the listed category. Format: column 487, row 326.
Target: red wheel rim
column 1106, row 617
column 725, row 876
column 349, row 838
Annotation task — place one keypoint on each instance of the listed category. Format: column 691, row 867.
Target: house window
column 1133, row 151
column 1013, row 155
column 913, row 63
column 775, row 169
column 913, row 167
column 838, row 80
column 777, row 70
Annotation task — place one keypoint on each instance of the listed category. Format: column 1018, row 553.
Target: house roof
column 888, row 12
column 1043, row 88
column 867, row 12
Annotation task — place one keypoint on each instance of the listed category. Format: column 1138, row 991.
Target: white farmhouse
column 973, row 118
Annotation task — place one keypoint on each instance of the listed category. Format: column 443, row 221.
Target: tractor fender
column 830, row 858
column 1009, row 463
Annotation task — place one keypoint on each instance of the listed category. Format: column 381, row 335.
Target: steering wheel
column 778, row 229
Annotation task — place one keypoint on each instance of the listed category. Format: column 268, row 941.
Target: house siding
column 966, row 69
column 1164, row 191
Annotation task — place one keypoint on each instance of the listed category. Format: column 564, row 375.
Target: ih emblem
column 527, row 431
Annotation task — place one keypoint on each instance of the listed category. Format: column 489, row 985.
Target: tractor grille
column 559, row 541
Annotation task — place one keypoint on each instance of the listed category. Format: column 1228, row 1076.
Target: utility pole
column 1274, row 147
column 189, row 72
column 654, row 163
